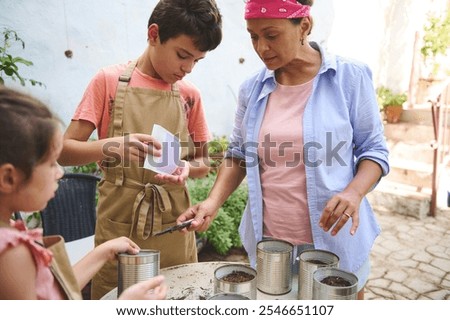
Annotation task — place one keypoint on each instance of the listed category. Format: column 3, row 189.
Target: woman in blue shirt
column 344, row 153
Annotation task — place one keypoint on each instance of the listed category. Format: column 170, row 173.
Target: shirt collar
column 328, row 62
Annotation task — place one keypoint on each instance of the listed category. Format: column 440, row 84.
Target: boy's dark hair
column 199, row 19
column 27, row 129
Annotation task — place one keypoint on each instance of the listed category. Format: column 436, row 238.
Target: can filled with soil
column 228, row 296
column 310, row 261
column 334, row 284
column 235, row 279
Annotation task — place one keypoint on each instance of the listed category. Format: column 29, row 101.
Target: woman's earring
column 302, row 41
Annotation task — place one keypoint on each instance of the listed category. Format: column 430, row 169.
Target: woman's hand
column 345, row 205
column 203, row 214
column 179, row 176
column 339, row 210
column 152, row 289
column 118, row 245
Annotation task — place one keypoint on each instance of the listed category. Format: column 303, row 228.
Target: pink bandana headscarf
column 279, row 9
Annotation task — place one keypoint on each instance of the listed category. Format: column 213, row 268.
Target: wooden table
column 195, row 281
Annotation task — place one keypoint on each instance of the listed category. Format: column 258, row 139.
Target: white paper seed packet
column 169, row 160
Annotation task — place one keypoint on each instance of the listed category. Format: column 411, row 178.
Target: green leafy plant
column 9, row 65
column 223, row 233
column 31, row 219
column 436, row 40
column 386, row 97
column 91, row 168
column 216, row 151
column 218, row 145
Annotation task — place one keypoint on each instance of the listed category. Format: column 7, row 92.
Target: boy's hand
column 132, row 147
column 179, row 176
column 152, row 289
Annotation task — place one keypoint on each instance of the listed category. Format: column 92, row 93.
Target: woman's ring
column 346, row 214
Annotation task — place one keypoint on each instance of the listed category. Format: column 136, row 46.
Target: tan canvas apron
column 61, row 267
column 132, row 202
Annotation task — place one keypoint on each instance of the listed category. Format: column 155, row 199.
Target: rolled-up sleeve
column 369, row 140
column 236, row 146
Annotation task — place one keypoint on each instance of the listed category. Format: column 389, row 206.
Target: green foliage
column 436, row 39
column 216, row 150
column 220, row 232
column 31, row 219
column 218, row 145
column 223, row 233
column 386, row 97
column 9, row 65
column 91, row 168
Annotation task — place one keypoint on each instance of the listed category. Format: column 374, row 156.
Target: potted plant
column 434, row 51
column 391, row 103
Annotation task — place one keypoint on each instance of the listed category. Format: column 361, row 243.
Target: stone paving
column 411, row 258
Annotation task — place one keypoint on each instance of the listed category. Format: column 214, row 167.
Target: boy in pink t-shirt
column 123, row 103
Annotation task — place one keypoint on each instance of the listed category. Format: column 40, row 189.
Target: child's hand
column 119, row 245
column 179, row 176
column 132, row 147
column 152, row 289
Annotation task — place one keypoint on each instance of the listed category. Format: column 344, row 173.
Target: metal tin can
column 134, row 268
column 274, row 266
column 228, row 296
column 322, row 291
column 310, row 261
column 245, row 288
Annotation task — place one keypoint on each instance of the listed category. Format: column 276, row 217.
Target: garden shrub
column 223, row 233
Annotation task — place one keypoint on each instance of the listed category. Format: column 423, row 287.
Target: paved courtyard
column 411, row 258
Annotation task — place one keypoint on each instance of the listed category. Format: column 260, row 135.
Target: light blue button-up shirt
column 341, row 126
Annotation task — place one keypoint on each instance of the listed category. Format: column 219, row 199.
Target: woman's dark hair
column 27, row 129
column 199, row 19
column 298, row 20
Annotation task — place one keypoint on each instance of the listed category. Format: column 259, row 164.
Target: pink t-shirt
column 283, row 179
column 95, row 105
column 47, row 288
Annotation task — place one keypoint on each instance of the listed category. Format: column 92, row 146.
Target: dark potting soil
column 318, row 262
column 336, row 281
column 238, row 277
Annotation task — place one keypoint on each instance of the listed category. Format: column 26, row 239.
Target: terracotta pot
column 393, row 113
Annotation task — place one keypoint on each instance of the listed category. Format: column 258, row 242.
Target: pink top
column 96, row 102
column 47, row 288
column 283, row 179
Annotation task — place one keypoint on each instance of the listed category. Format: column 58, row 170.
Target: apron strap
column 148, row 208
column 119, row 104
column 174, row 88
